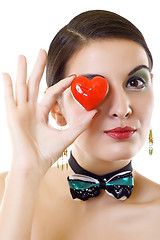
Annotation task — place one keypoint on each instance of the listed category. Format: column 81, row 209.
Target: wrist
column 24, row 175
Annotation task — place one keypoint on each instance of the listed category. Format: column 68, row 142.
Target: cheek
column 143, row 106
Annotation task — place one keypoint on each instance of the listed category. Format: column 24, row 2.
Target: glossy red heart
column 89, row 93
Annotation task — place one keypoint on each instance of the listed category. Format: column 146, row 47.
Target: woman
column 36, row 200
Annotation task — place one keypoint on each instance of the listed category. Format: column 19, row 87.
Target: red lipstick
column 120, row 133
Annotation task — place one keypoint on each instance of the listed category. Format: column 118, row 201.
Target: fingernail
column 72, row 75
column 95, row 115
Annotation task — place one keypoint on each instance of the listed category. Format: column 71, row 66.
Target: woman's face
column 129, row 101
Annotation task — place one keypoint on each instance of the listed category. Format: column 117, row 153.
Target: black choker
column 84, row 184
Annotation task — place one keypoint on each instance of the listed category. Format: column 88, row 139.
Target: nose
column 119, row 104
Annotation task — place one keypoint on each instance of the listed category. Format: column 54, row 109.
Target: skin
column 48, row 207
column 122, row 106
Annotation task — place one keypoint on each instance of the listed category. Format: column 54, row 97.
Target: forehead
column 107, row 56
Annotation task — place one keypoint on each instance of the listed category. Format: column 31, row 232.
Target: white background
column 27, row 26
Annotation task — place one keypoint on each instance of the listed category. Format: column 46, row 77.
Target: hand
column 37, row 145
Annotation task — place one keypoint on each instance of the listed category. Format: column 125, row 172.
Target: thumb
column 73, row 131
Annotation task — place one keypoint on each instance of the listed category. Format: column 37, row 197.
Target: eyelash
column 134, row 80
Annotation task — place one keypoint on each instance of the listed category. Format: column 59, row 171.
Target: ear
column 57, row 114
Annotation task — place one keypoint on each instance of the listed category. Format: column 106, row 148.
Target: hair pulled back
column 90, row 25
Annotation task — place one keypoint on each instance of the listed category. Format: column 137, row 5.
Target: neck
column 96, row 165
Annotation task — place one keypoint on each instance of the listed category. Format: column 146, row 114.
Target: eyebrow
column 91, row 76
column 138, row 68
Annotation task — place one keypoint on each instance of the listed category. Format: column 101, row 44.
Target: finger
column 50, row 97
column 21, row 87
column 8, row 92
column 81, row 124
column 36, row 75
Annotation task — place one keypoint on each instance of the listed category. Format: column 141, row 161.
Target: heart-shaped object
column 89, row 93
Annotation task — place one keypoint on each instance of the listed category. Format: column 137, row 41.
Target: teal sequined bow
column 83, row 187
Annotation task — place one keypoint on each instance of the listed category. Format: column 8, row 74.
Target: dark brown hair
column 90, row 25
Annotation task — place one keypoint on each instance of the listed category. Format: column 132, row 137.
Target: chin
column 118, row 153
column 118, row 157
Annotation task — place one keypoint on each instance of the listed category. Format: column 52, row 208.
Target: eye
column 136, row 82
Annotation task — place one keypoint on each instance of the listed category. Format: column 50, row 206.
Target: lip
column 121, row 133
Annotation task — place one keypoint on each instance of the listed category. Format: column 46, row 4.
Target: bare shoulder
column 2, row 184
column 146, row 189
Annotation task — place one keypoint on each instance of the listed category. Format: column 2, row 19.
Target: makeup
column 120, row 133
column 139, row 79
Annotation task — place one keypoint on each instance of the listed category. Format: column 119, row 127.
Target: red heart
column 89, row 93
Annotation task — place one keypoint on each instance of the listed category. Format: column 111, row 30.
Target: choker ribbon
column 84, row 185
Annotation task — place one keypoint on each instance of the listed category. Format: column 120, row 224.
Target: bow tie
column 118, row 183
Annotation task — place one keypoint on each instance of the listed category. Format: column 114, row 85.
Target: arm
column 36, row 145
column 17, row 206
